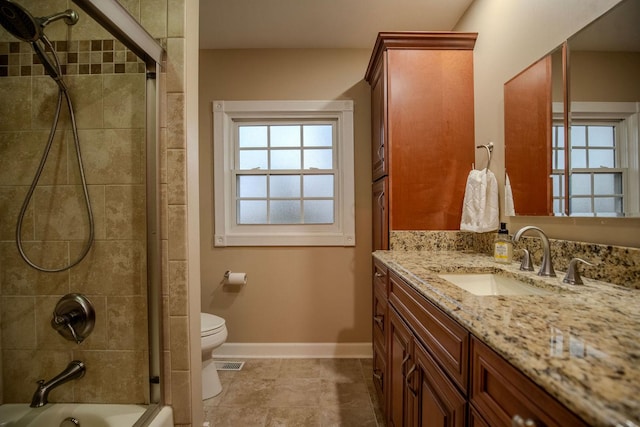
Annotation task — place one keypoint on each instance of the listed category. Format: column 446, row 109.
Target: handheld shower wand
column 24, row 26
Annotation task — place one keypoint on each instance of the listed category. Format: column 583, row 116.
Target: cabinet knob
column 518, row 421
column 379, row 274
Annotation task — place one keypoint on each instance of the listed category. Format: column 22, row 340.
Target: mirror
column 600, row 163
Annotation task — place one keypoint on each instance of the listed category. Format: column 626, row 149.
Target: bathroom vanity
column 446, row 357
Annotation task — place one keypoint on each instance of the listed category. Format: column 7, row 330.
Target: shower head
column 24, row 26
column 19, row 22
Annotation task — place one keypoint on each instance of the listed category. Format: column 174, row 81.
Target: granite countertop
column 580, row 343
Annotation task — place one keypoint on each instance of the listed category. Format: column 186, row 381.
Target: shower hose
column 62, row 92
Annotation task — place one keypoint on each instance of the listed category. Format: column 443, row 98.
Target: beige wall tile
column 111, row 268
column 176, row 18
column 20, row 154
column 181, row 396
column 18, row 322
column 125, row 212
column 153, row 18
column 178, row 289
column 166, row 331
column 124, row 100
column 177, row 217
column 127, row 322
column 113, row 156
column 18, row 278
column 176, row 181
column 175, row 65
column 162, row 137
column 165, row 267
column 133, row 7
column 175, row 120
column 15, row 108
column 43, row 105
column 164, row 212
column 61, row 213
column 179, row 342
column 97, row 199
column 10, row 203
column 112, row 377
column 22, row 368
column 86, row 96
column 87, row 29
column 166, row 355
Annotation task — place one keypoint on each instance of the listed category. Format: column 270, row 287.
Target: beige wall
column 296, row 294
column 513, row 35
column 591, row 74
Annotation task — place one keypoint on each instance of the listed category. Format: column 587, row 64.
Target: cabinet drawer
column 379, row 318
column 500, row 392
column 447, row 341
column 380, row 278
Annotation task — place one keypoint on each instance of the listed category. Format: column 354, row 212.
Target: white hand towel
column 480, row 211
column 509, row 208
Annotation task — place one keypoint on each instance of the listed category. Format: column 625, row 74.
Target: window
column 602, row 148
column 283, row 173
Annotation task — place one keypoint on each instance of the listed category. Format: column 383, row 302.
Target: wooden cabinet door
column 380, row 215
column 378, row 123
column 430, row 136
column 400, row 347
column 527, row 138
column 438, row 402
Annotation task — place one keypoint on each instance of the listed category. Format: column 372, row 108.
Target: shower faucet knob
column 74, row 317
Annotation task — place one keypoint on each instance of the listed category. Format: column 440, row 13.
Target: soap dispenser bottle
column 503, row 248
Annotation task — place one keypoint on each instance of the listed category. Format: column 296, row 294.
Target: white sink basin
column 491, row 284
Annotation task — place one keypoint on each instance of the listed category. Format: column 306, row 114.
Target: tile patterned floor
column 296, row 392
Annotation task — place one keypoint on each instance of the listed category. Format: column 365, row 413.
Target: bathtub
column 87, row 415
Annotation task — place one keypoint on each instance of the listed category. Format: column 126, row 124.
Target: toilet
column 213, row 332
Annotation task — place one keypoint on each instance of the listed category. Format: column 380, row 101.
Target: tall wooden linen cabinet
column 422, row 152
column 422, row 130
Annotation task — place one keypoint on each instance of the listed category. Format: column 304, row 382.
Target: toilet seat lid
column 210, row 323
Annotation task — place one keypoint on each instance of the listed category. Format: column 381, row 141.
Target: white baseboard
column 294, row 350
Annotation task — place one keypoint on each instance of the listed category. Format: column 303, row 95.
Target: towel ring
column 489, row 148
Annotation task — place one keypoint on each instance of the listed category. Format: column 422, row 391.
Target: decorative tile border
column 76, row 57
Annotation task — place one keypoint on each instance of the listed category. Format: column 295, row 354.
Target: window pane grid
column 296, row 162
column 595, row 187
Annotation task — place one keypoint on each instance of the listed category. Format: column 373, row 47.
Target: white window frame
column 627, row 142
column 226, row 230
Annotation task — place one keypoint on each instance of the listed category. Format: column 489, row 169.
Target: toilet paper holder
column 232, row 278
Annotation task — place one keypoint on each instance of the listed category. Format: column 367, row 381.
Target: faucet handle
column 527, row 262
column 573, row 275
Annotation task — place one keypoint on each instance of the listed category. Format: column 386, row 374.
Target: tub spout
column 73, row 371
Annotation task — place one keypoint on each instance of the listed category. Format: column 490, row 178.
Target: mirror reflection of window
column 596, row 171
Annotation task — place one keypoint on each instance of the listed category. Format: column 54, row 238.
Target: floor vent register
column 225, row 365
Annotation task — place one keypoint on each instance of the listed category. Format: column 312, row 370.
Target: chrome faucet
column 546, row 269
column 73, row 371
